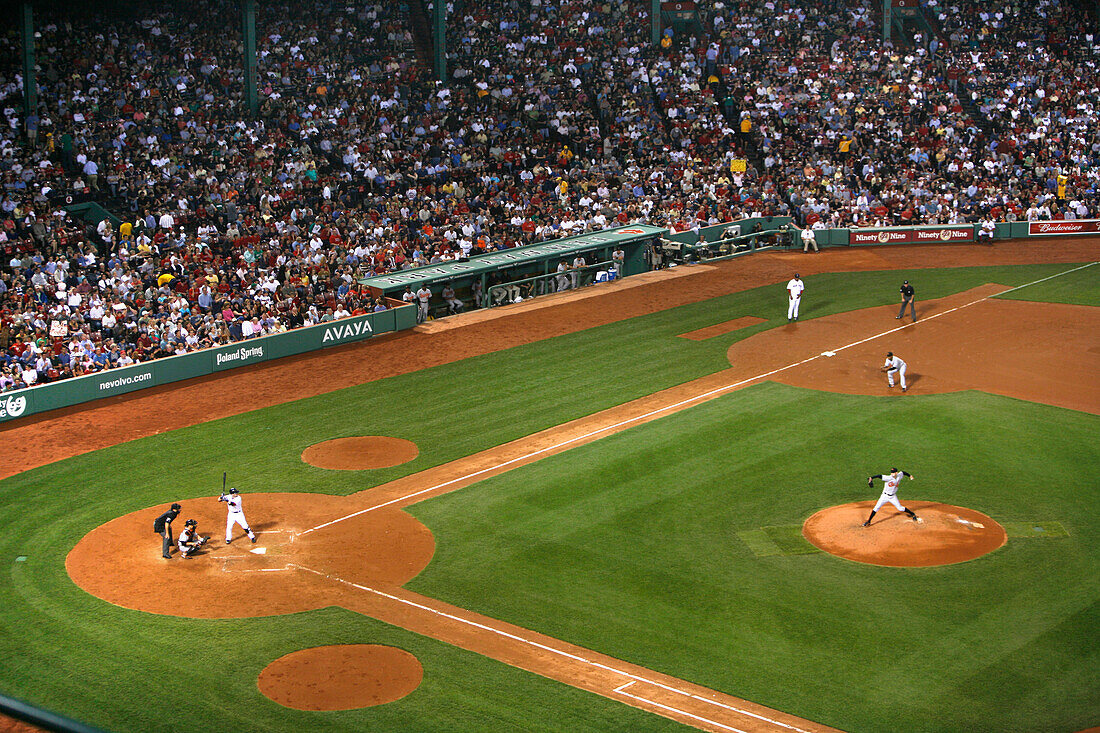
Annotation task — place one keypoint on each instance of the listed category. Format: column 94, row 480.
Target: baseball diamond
column 543, row 528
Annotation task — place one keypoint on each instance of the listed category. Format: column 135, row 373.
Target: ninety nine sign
column 912, row 235
column 1069, row 226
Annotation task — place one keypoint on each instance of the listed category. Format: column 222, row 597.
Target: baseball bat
column 223, row 482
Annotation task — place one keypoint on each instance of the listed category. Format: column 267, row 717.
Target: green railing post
column 248, row 23
column 439, row 37
column 30, row 84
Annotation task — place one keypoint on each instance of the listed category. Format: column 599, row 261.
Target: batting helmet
column 234, row 491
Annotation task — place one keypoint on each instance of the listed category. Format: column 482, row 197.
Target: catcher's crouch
column 189, row 540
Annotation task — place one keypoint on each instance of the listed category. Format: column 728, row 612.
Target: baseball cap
column 797, row 275
column 893, row 470
column 176, row 507
column 905, row 282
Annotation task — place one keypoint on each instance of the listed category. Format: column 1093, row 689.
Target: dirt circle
column 342, row 677
column 360, row 453
column 301, row 561
column 946, row 534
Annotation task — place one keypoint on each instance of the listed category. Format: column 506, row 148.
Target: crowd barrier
column 40, row 398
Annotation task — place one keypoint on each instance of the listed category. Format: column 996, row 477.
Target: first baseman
column 234, row 515
column 894, row 365
column 794, row 293
column 889, row 492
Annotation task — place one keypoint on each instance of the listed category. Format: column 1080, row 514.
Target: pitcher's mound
column 342, row 677
column 946, row 534
column 360, row 453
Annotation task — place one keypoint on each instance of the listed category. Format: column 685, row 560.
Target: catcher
column 189, row 540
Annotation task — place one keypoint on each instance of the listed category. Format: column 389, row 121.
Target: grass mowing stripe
column 759, row 542
column 1032, row 530
column 790, row 540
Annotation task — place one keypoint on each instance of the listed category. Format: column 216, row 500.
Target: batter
column 235, row 515
column 889, row 493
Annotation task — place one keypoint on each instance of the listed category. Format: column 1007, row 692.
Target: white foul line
column 682, row 403
column 568, row 655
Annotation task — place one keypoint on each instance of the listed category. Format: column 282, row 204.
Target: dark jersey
column 164, row 520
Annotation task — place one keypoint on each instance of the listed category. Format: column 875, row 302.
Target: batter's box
column 1032, row 530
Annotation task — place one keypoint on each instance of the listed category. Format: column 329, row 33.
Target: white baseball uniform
column 183, row 542
column 895, row 364
column 235, row 515
column 794, row 293
column 890, row 490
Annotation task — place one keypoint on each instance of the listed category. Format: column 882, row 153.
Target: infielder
column 189, row 541
column 794, row 293
column 235, row 515
column 889, row 492
column 894, row 365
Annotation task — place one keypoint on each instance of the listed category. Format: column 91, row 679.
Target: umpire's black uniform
column 162, row 525
column 908, row 298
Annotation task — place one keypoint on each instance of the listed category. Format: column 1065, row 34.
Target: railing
column 554, row 282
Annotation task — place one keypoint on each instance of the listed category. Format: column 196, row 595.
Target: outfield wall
column 113, row 382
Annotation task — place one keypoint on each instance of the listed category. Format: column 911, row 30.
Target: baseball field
column 589, row 513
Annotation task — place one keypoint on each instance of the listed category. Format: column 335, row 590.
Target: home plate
column 258, row 551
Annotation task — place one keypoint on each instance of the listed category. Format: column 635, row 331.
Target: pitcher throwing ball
column 889, row 493
column 235, row 515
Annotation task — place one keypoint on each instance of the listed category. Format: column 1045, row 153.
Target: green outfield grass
column 629, row 546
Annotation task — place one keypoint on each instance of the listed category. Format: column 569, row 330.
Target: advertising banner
column 913, row 235
column 1068, row 226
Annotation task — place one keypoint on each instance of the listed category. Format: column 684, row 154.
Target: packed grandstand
column 557, row 117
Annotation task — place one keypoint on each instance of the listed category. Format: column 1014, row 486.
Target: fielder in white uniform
column 794, row 294
column 889, row 492
column 894, row 365
column 235, row 515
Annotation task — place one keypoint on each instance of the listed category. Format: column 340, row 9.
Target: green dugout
column 532, row 269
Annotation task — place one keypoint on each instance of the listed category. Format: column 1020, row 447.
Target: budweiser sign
column 912, row 235
column 1072, row 226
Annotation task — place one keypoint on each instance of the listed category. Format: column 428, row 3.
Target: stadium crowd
column 559, row 117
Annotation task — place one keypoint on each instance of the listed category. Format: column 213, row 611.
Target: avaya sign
column 912, row 235
column 1070, row 226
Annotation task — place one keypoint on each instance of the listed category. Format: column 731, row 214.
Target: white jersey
column 795, row 288
column 186, row 536
column 236, row 506
column 894, row 363
column 890, row 485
